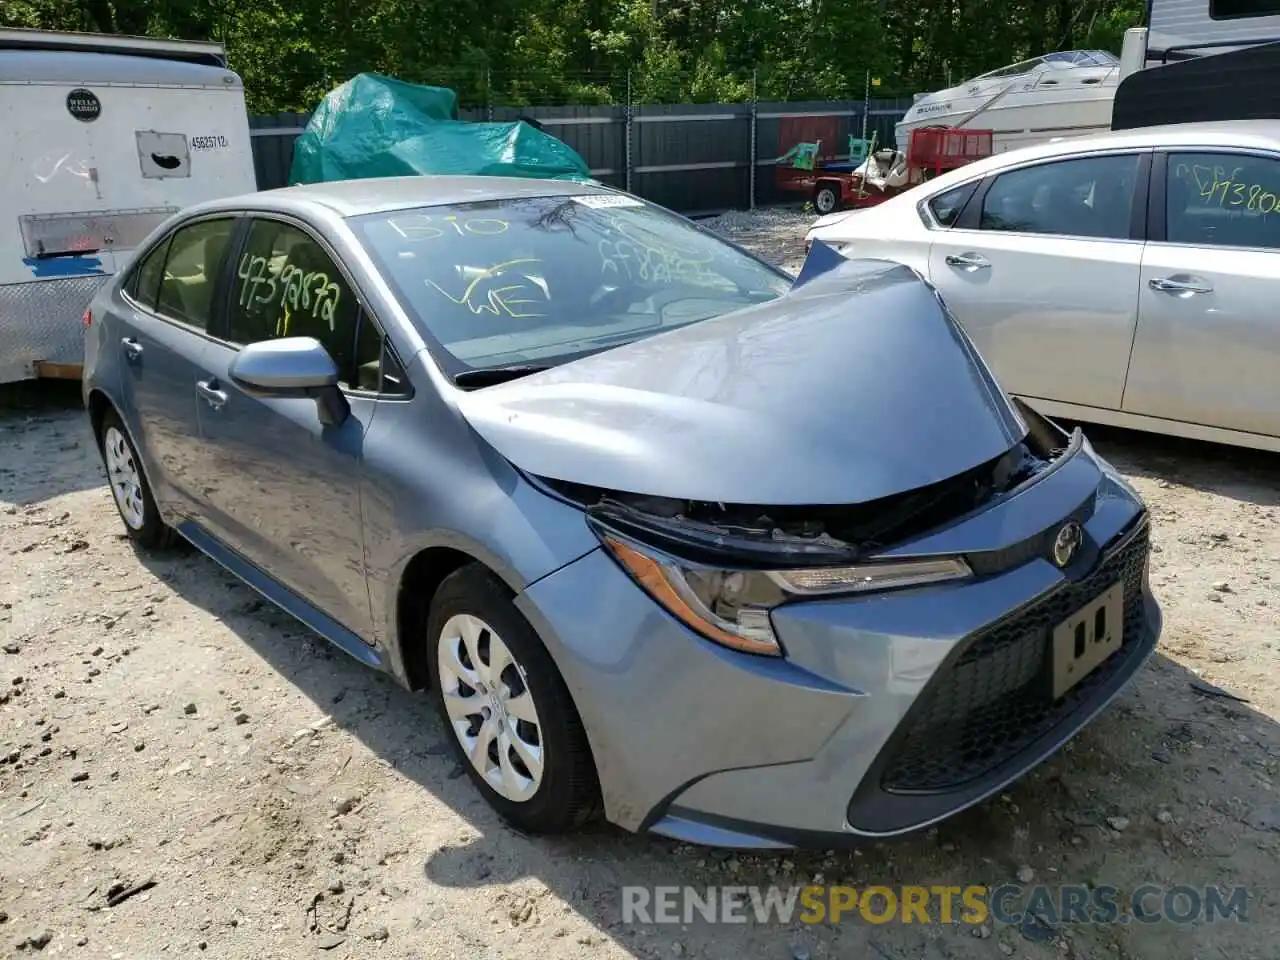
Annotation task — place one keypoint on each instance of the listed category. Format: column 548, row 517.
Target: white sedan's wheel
column 490, row 707
column 125, row 478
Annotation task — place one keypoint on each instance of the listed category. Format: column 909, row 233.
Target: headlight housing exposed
column 732, row 607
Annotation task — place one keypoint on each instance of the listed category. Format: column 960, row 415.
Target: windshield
column 1056, row 61
column 545, row 279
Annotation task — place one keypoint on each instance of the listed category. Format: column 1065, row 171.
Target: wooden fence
column 695, row 158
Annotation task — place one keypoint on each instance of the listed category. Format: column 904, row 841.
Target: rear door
column 1041, row 268
column 160, row 330
column 1207, row 349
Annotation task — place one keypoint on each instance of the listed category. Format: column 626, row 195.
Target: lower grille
column 994, row 698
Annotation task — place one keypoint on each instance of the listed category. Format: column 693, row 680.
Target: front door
column 283, row 489
column 164, row 314
column 1043, row 275
column 1207, row 349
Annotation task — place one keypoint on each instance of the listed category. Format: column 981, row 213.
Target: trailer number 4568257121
column 209, row 143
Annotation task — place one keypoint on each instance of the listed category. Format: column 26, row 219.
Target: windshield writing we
column 503, row 289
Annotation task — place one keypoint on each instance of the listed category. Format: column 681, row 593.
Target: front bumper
column 890, row 712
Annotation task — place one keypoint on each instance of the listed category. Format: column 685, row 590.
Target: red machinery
column 930, row 152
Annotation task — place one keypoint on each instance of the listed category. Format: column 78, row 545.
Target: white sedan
column 1123, row 278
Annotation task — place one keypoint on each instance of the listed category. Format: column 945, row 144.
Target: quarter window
column 1223, row 200
column 286, row 285
column 191, row 270
column 145, row 286
column 1087, row 197
column 946, row 206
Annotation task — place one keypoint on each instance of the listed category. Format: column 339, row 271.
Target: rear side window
column 946, row 207
column 145, row 286
column 1089, row 197
column 1223, row 200
column 191, row 271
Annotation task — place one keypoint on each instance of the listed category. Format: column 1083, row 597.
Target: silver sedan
column 670, row 537
column 1124, row 278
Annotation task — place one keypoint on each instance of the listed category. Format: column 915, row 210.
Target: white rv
column 1070, row 93
column 1186, row 28
column 105, row 137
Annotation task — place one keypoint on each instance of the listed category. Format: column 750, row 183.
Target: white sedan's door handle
column 968, row 261
column 1188, row 287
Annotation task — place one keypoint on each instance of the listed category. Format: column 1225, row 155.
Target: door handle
column 968, row 261
column 208, row 390
column 132, row 348
column 1174, row 285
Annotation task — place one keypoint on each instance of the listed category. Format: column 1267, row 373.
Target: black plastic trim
column 1157, row 205
column 1236, row 85
column 1141, row 193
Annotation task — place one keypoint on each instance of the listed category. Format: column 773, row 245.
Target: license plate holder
column 1086, row 638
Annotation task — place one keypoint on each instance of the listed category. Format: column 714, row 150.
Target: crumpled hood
column 854, row 386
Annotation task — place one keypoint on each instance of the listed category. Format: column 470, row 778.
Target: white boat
column 1063, row 94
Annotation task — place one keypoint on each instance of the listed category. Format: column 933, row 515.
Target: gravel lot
column 160, row 723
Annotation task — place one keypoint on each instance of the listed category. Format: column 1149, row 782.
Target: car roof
column 352, row 198
column 1225, row 133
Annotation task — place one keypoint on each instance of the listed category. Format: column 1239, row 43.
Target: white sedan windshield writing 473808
column 545, row 279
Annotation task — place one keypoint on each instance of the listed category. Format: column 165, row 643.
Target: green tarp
column 376, row 126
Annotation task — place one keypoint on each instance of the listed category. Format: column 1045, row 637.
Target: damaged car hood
column 853, row 386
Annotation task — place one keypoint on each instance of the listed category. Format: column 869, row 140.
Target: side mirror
column 292, row 367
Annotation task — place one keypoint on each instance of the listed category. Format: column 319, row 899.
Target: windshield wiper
column 488, row 376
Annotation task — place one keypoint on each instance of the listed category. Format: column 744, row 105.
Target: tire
column 826, row 199
column 472, row 606
column 129, row 488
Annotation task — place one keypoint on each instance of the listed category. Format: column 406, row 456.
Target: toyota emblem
column 1067, row 543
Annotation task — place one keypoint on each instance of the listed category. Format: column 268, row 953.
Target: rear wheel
column 129, row 486
column 826, row 198
column 513, row 725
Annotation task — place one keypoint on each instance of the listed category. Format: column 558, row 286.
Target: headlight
column 731, row 607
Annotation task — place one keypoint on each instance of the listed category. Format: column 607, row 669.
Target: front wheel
column 513, row 725
column 826, row 199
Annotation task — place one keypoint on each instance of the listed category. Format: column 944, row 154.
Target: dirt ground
column 160, row 723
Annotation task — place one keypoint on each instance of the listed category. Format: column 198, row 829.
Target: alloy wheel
column 490, row 707
column 125, row 477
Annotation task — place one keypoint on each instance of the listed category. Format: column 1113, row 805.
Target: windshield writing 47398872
column 629, row 252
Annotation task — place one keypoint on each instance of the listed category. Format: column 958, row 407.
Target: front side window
column 946, row 206
column 1223, row 200
column 191, row 271
column 541, row 280
column 286, row 285
column 1087, row 197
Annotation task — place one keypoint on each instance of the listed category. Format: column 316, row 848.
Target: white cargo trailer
column 103, row 138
